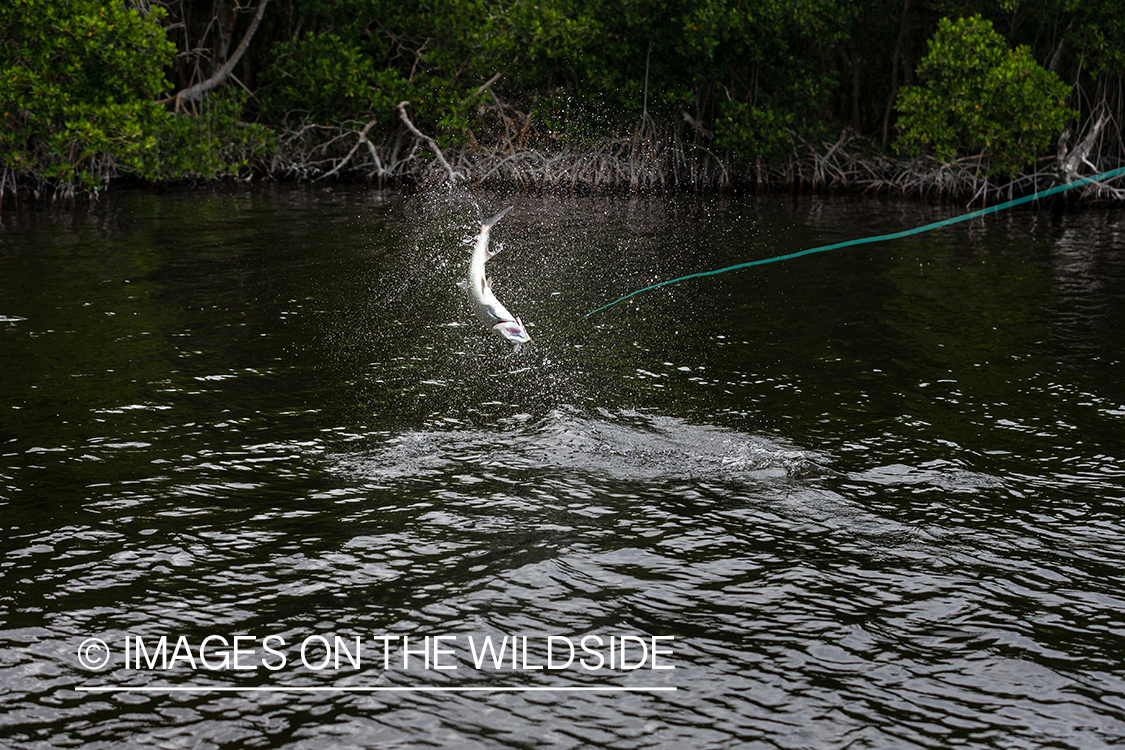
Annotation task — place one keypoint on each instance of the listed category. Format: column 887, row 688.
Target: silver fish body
column 489, row 310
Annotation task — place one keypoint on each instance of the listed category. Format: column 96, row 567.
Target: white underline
column 359, row 689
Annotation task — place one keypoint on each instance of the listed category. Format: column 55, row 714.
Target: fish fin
column 485, row 284
column 493, row 253
column 486, row 223
column 463, row 285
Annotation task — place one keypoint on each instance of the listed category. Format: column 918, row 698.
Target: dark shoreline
column 632, row 166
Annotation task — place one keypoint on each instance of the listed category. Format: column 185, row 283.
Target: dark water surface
column 876, row 496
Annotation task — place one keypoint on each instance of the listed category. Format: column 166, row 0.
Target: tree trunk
column 899, row 55
column 201, row 89
column 1070, row 160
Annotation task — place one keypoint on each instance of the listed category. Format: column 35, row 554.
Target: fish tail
column 487, row 223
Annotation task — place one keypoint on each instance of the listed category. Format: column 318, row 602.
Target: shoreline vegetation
column 900, row 97
column 652, row 163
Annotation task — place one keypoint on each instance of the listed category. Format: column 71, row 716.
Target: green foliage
column 528, row 39
column 752, row 131
column 212, row 143
column 767, row 59
column 78, row 82
column 370, row 54
column 328, row 79
column 81, row 80
column 979, row 96
column 1096, row 32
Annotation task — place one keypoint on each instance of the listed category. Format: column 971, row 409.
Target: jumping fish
column 488, row 309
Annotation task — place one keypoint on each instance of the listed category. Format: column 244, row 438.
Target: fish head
column 513, row 332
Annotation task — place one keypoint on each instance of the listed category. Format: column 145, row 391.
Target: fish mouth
column 513, row 332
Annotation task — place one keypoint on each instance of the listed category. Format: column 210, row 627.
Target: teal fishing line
column 881, row 238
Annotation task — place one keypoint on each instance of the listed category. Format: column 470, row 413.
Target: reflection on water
column 876, row 496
